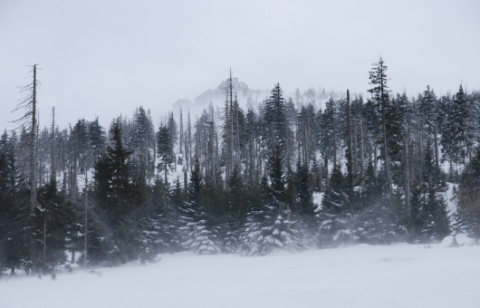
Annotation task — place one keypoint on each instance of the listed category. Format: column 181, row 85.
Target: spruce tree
column 380, row 101
column 13, row 218
column 335, row 210
column 469, row 198
column 116, row 208
column 165, row 151
column 276, row 129
column 198, row 234
column 429, row 221
column 457, row 133
column 269, row 226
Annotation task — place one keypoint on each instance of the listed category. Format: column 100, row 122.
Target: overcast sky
column 104, row 58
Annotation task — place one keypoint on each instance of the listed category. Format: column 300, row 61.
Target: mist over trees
column 236, row 180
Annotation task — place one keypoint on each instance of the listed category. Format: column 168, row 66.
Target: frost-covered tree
column 198, row 233
column 269, row 225
column 333, row 216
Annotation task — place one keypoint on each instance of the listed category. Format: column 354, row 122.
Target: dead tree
column 29, row 122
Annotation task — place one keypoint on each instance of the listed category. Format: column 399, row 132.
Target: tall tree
column 378, row 79
column 13, row 214
column 116, row 202
column 29, row 122
column 469, row 197
column 277, row 130
column 165, row 151
column 457, row 137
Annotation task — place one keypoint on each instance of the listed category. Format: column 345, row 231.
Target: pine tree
column 13, row 218
column 269, row 225
column 428, row 112
column 380, row 100
column 306, row 134
column 56, row 217
column 469, row 197
column 304, row 183
column 335, row 209
column 276, row 128
column 142, row 141
column 429, row 215
column 199, row 235
column 237, row 208
column 165, row 151
column 457, row 133
column 116, row 197
column 330, row 133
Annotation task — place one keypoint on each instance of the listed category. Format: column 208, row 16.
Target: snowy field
column 358, row 276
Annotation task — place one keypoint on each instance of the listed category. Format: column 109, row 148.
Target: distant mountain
column 246, row 97
column 250, row 98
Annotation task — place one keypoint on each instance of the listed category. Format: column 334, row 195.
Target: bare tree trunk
column 53, row 165
column 327, row 176
column 188, row 143
column 355, row 147
column 350, row 147
column 73, row 189
column 362, row 157
column 435, row 141
column 385, row 146
column 407, row 175
column 85, row 221
column 181, row 133
column 420, row 149
column 33, row 170
column 44, row 244
column 320, row 176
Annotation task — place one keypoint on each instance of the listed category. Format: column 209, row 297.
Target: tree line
column 239, row 181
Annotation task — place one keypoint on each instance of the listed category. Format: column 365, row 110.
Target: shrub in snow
column 267, row 229
column 458, row 240
column 201, row 240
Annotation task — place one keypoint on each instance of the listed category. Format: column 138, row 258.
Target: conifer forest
column 277, row 175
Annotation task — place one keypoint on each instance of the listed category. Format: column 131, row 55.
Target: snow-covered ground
column 358, row 276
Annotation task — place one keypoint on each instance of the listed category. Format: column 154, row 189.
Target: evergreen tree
column 172, row 129
column 304, row 184
column 380, row 103
column 335, row 210
column 237, row 208
column 469, row 197
column 13, row 210
column 116, row 209
column 330, row 133
column 165, row 151
column 269, row 226
column 277, row 131
column 142, row 141
column 199, row 235
column 56, row 217
column 457, row 133
column 428, row 111
column 429, row 220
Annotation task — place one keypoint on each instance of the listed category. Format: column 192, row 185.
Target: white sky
column 104, row 58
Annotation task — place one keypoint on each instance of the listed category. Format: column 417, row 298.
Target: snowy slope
column 359, row 276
